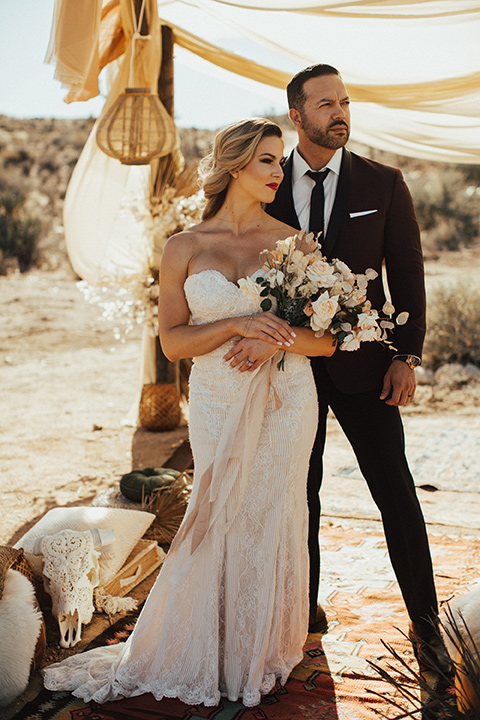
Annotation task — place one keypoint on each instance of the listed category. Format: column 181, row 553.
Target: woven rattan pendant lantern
column 137, row 128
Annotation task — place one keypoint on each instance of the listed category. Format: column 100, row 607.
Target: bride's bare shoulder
column 184, row 242
column 183, row 246
column 282, row 229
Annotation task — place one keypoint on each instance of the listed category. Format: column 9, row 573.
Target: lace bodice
column 211, row 296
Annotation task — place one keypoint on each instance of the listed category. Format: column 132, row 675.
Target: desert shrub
column 19, row 232
column 447, row 212
column 453, row 326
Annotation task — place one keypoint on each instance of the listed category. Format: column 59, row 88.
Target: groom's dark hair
column 295, row 93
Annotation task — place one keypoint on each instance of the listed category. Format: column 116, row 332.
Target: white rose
column 367, row 335
column 321, row 272
column 275, row 277
column 250, row 288
column 350, row 342
column 365, row 321
column 324, row 309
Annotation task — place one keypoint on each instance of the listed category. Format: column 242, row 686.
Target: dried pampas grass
column 168, row 504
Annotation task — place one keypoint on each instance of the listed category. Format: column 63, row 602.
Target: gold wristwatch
column 412, row 360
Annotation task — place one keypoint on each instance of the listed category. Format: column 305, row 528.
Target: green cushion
column 139, row 484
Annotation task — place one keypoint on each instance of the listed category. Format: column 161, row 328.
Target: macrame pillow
column 128, row 525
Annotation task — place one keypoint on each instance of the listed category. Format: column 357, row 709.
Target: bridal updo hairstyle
column 233, row 148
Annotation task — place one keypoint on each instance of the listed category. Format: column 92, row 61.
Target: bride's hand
column 268, row 327
column 249, row 354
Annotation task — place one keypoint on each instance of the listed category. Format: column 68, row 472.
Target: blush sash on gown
column 228, row 613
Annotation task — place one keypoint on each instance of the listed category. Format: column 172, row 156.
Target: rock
column 455, row 375
column 424, row 376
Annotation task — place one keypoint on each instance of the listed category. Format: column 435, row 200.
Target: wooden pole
column 165, row 79
column 144, row 28
column 165, row 370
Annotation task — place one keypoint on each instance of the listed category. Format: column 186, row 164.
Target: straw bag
column 13, row 559
column 159, row 407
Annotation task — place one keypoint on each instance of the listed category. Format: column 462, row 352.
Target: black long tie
column 317, row 201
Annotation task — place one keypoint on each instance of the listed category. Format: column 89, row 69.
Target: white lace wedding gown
column 228, row 613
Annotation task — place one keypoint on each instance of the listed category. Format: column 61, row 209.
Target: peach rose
column 250, row 288
column 321, row 272
column 324, row 309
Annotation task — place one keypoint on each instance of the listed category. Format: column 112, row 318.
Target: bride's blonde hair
column 233, row 148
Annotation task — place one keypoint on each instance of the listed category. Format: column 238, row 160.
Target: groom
column 366, row 214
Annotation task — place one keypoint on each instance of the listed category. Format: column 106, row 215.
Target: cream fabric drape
column 73, row 47
column 433, row 120
column 412, row 67
column 431, row 96
column 414, row 81
column 104, row 231
column 389, row 9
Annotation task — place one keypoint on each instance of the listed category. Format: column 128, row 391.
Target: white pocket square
column 362, row 212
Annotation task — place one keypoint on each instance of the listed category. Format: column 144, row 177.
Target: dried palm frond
column 170, row 172
column 169, row 504
column 435, row 695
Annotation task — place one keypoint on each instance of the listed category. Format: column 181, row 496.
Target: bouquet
column 310, row 290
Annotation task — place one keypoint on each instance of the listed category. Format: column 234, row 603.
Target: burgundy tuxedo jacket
column 372, row 225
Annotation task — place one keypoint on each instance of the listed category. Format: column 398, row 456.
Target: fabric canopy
column 412, row 67
column 366, row 8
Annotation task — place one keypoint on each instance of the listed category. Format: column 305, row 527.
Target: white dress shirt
column 302, row 186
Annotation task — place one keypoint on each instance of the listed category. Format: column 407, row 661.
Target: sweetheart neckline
column 219, row 272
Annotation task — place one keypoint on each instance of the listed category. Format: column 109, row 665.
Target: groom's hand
column 249, row 354
column 398, row 384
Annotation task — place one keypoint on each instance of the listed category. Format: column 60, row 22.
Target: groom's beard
column 325, row 139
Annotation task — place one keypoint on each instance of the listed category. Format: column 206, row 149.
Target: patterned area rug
column 334, row 680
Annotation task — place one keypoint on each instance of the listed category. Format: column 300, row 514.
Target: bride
column 228, row 613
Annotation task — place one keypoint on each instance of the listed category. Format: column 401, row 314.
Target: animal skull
column 70, row 575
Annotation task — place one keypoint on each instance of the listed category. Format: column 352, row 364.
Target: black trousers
column 375, row 432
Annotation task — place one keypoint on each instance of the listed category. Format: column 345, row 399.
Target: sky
column 28, row 87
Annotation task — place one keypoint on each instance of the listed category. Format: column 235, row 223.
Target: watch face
column 412, row 361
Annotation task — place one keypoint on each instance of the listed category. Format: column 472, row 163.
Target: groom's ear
column 295, row 117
